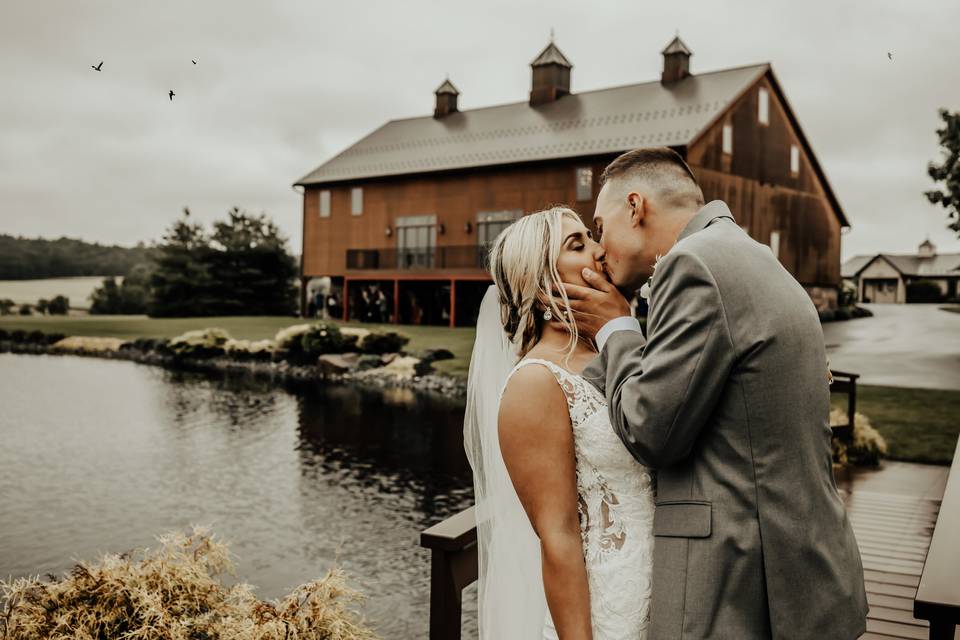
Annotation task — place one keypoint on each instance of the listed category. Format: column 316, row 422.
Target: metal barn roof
column 583, row 124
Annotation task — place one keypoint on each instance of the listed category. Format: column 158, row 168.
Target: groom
column 727, row 398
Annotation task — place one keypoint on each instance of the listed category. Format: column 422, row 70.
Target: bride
column 564, row 512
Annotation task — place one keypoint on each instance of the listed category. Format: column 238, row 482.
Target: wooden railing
column 453, row 542
column 938, row 595
column 471, row 256
column 453, row 567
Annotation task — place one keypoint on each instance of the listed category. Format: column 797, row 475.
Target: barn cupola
column 446, row 99
column 676, row 61
column 927, row 249
column 551, row 75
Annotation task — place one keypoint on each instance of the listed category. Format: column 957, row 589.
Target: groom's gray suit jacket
column 728, row 399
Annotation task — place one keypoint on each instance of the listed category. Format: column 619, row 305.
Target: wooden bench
column 938, row 594
column 844, row 382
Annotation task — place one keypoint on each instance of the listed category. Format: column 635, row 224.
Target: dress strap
column 565, row 379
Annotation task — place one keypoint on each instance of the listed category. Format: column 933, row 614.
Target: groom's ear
column 636, row 208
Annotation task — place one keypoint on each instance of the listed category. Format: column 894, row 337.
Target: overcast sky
column 280, row 87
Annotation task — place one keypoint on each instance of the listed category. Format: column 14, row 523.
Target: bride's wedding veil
column 510, row 589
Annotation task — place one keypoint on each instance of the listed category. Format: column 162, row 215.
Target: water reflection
column 103, row 455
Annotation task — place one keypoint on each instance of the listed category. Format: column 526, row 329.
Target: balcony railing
column 455, row 257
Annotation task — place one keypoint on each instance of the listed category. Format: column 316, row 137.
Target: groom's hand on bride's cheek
column 597, row 304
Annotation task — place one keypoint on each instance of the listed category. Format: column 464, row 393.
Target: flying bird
column 193, row 61
column 171, row 95
column 97, row 68
column 889, row 55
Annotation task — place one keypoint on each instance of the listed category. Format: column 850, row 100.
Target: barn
column 397, row 225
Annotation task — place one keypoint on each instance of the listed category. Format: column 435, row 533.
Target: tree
column 59, row 306
column 180, row 283
column 105, row 298
column 42, row 305
column 948, row 172
column 251, row 267
column 242, row 268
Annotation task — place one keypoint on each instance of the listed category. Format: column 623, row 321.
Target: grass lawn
column 459, row 340
column 919, row 425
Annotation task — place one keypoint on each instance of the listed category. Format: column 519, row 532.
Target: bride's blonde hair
column 523, row 263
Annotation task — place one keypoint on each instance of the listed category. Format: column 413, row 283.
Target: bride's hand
column 595, row 305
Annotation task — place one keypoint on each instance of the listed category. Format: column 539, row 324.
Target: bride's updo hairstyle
column 523, row 263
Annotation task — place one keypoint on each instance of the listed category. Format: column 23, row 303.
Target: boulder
column 337, row 362
column 367, row 362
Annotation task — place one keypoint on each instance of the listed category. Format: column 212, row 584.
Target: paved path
column 902, row 345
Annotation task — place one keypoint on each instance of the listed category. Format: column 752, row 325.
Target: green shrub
column 36, row 337
column 321, row 339
column 18, row 335
column 4, row 334
column 847, row 295
column 924, row 291
column 842, row 313
column 245, row 350
column 52, row 338
column 827, row 315
column 59, row 306
column 380, row 342
column 304, row 343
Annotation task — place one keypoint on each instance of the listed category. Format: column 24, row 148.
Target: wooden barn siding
column 762, row 193
column 455, row 199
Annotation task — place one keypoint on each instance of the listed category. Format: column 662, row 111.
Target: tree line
column 31, row 258
column 239, row 267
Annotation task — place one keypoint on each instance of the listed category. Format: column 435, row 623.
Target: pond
column 103, row 455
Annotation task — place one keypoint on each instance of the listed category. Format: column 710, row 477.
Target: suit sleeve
column 662, row 390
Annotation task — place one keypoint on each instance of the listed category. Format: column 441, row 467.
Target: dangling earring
column 548, row 315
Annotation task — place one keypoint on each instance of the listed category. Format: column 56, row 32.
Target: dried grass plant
column 867, row 448
column 173, row 593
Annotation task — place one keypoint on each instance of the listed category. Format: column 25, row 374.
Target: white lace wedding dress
column 616, row 505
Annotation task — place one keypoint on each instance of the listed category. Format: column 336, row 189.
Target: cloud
column 281, row 87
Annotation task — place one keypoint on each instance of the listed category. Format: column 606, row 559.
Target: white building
column 884, row 277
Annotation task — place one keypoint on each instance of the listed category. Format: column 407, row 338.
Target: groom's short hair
column 662, row 168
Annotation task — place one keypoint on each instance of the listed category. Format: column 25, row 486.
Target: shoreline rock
column 383, row 377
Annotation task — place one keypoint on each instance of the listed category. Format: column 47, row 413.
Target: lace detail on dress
column 615, row 505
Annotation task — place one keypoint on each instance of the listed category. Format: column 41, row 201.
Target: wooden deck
column 893, row 511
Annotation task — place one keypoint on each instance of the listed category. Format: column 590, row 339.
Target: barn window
column 794, row 159
column 728, row 139
column 356, row 201
column 325, row 204
column 584, row 183
column 491, row 223
column 763, row 113
column 775, row 243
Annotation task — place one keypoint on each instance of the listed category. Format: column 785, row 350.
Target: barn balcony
column 451, row 257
